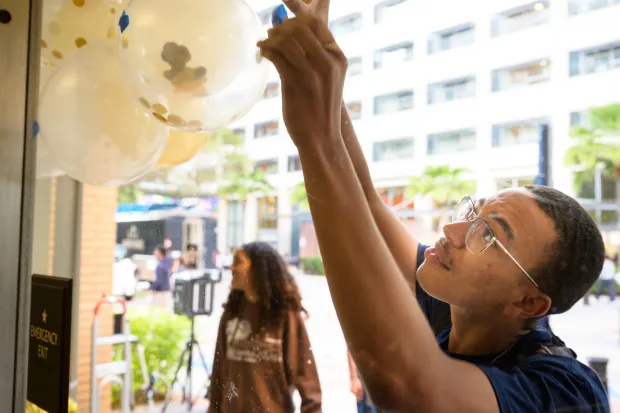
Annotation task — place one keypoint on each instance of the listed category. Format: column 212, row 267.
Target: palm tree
column 597, row 147
column 444, row 185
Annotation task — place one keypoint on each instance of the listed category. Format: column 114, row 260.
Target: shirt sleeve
column 215, row 391
column 548, row 384
column 301, row 365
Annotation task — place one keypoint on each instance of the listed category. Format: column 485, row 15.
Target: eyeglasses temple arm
column 515, row 261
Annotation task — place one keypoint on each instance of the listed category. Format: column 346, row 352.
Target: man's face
column 491, row 281
column 158, row 255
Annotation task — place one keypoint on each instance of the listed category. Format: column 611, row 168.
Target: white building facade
column 440, row 82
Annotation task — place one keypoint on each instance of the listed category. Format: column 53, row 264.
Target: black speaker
column 194, row 292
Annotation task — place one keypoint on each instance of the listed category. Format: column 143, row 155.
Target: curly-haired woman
column 263, row 352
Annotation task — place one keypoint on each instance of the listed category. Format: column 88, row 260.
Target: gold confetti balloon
column 181, row 147
column 69, row 25
column 192, row 64
column 46, row 166
column 92, row 126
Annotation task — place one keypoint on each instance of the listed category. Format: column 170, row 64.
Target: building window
column 584, row 6
column 234, row 224
column 354, row 66
column 519, row 18
column 581, row 118
column 517, row 133
column 506, row 183
column 393, row 55
column 264, row 129
column 272, row 90
column 265, row 15
column 394, row 102
column 452, row 90
column 595, row 59
column 526, row 74
column 393, row 150
column 598, row 197
column 294, row 164
column 452, row 141
column 268, row 167
column 355, row 109
column 346, row 24
column 451, row 38
column 388, row 10
column 268, row 212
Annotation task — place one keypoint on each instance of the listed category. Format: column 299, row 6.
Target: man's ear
column 532, row 306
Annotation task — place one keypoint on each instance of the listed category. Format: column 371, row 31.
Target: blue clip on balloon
column 123, row 21
column 279, row 15
column 35, row 129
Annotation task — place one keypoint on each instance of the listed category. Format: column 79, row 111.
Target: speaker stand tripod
column 188, row 353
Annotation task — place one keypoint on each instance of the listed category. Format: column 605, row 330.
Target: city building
column 465, row 84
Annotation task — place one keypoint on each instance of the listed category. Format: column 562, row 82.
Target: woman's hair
column 276, row 288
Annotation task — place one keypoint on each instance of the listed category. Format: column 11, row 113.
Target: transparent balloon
column 192, row 64
column 46, row 166
column 91, row 124
column 69, row 25
column 181, row 147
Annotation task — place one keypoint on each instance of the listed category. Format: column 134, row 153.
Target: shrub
column 312, row 265
column 163, row 336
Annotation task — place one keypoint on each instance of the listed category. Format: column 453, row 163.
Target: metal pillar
column 20, row 25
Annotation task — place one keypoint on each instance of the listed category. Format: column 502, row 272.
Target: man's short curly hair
column 573, row 263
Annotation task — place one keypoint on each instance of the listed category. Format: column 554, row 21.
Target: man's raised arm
column 401, row 243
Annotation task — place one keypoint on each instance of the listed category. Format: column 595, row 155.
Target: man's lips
column 432, row 255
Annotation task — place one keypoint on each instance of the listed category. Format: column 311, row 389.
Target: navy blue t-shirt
column 537, row 383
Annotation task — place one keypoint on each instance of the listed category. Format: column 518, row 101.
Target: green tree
column 223, row 161
column 597, row 146
column 445, row 185
column 299, row 197
column 128, row 194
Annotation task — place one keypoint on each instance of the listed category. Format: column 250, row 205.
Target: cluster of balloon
column 138, row 86
column 69, row 25
column 91, row 124
column 192, row 64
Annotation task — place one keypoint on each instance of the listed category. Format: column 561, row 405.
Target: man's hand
column 357, row 389
column 312, row 70
column 312, row 8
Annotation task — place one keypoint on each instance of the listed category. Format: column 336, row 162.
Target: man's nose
column 456, row 232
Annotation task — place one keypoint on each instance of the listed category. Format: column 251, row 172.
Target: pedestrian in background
column 262, row 351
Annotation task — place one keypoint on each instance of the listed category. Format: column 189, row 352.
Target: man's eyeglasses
column 480, row 235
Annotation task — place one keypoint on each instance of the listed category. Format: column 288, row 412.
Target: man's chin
column 432, row 280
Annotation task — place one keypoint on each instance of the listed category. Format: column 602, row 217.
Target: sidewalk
column 591, row 331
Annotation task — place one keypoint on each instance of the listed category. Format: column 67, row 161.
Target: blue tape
column 123, row 21
column 35, row 129
column 279, row 15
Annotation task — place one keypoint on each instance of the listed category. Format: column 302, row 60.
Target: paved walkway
column 592, row 331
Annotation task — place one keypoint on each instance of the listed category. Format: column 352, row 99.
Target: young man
column 527, row 253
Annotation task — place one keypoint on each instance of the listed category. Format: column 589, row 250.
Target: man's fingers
column 297, row 6
column 316, row 52
column 287, row 73
column 288, row 49
column 326, row 38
